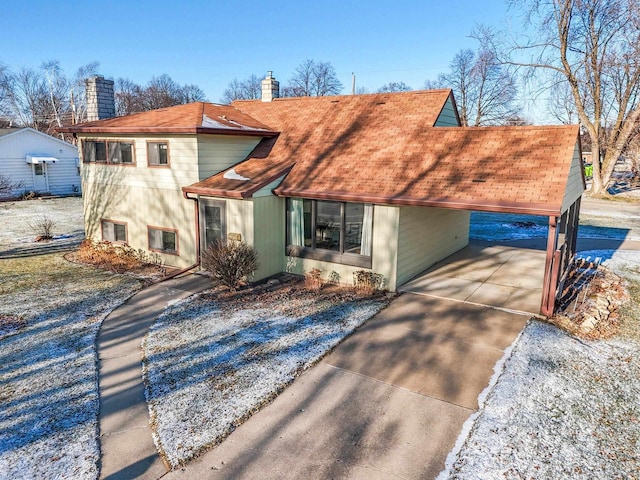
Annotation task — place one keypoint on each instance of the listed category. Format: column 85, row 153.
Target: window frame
column 158, row 165
column 164, row 230
column 115, row 222
column 313, row 252
column 107, row 146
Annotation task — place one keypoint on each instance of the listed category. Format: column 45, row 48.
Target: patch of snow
column 233, row 175
column 561, row 408
column 208, row 368
column 48, row 374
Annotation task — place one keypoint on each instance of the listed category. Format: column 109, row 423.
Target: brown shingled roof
column 382, row 148
column 312, row 127
column 515, row 169
column 197, row 117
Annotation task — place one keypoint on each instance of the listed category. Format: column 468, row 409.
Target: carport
column 519, row 279
column 482, row 273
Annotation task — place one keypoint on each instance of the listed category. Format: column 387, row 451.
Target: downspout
column 190, row 267
column 547, row 286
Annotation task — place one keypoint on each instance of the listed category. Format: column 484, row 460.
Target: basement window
column 113, row 231
column 163, row 240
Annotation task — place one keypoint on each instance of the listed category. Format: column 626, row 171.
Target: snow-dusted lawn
column 501, row 226
column 562, row 408
column 211, row 365
column 17, row 219
column 48, row 378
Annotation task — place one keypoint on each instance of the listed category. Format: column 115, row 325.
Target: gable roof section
column 197, row 117
column 10, row 132
column 315, row 129
column 382, row 148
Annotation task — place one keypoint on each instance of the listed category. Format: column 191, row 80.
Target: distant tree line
column 45, row 98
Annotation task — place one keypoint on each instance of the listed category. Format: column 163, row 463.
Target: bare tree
column 485, row 91
column 128, row 97
column 160, row 92
column 594, row 46
column 192, row 93
column 248, row 89
column 43, row 98
column 394, row 87
column 312, row 78
column 7, row 186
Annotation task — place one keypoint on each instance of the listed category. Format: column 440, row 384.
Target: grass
column 48, row 378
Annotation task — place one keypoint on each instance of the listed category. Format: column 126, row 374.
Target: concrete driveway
column 389, row 402
column 487, row 274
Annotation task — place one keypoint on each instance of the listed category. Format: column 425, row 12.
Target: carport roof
column 384, row 148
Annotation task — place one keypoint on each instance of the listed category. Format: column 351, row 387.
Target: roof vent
column 479, row 180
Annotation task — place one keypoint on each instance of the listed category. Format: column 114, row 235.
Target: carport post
column 548, row 290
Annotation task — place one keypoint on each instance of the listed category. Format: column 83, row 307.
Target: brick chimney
column 100, row 99
column 270, row 88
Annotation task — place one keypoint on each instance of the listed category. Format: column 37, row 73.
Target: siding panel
column 428, row 235
column 447, row 117
column 219, row 152
column 575, row 185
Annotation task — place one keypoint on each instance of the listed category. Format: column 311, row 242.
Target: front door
column 212, row 221
column 40, row 183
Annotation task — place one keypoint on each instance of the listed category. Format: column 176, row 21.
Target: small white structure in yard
column 40, row 162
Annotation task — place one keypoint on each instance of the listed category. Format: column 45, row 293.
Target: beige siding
column 269, row 241
column 575, row 185
column 183, row 169
column 219, row 152
column 447, row 117
column 239, row 218
column 138, row 208
column 426, row 236
column 385, row 247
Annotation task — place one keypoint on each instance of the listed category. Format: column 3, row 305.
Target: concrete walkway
column 389, row 402
column 126, row 444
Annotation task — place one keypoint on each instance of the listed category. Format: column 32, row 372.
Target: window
column 115, row 232
column 163, row 240
column 107, row 151
column 332, row 231
column 120, row 152
column 158, row 154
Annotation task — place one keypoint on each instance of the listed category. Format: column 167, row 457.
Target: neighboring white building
column 42, row 163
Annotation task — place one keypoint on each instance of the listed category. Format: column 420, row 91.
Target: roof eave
column 497, row 207
column 240, row 193
column 164, row 130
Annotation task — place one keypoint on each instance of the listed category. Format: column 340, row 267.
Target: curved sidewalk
column 126, row 445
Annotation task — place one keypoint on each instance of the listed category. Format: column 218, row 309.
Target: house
column 39, row 162
column 383, row 182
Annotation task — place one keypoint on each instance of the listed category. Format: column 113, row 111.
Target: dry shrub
column 113, row 257
column 43, row 228
column 230, row 262
column 368, row 282
column 313, row 279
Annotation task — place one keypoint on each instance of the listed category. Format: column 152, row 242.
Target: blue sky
column 210, row 43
